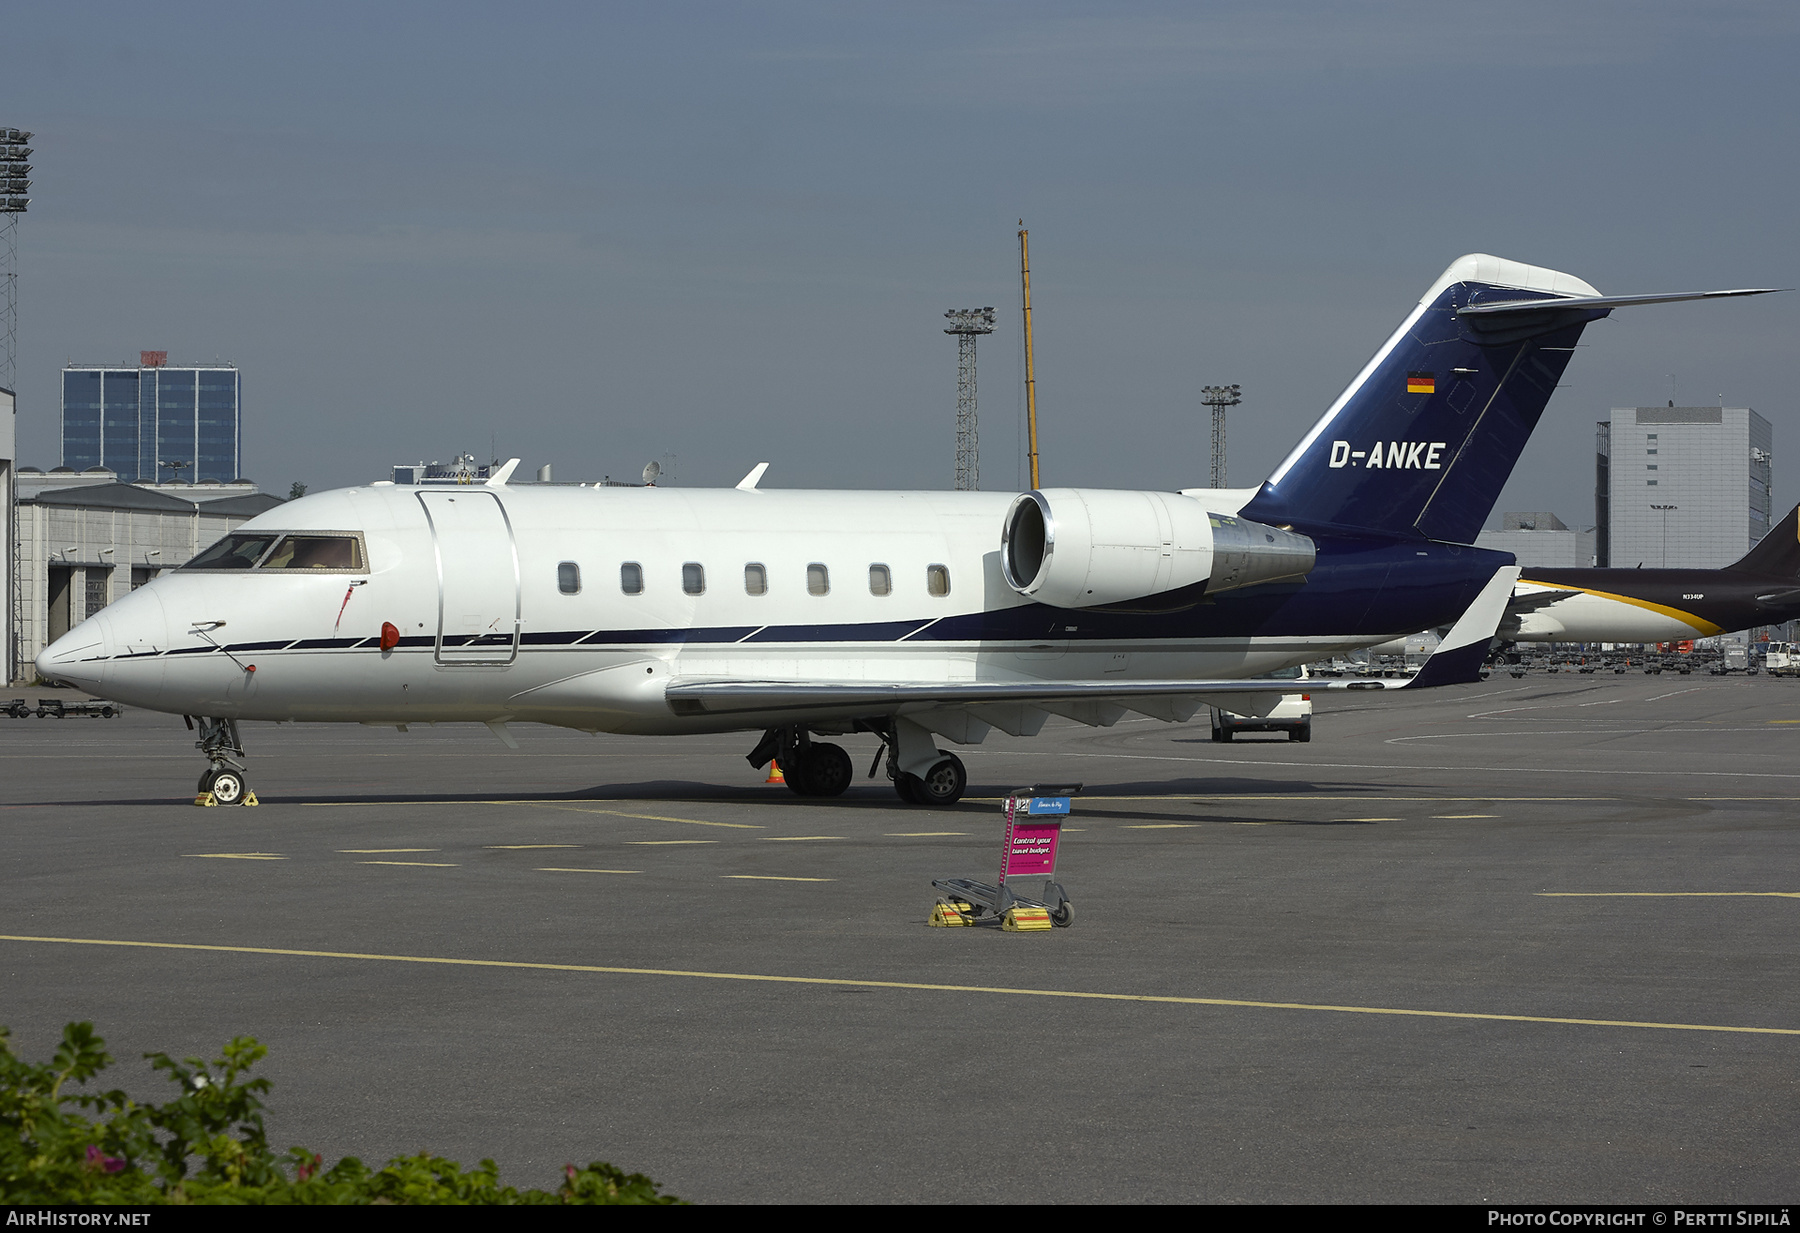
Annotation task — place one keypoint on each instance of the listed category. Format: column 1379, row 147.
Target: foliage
column 296, row 490
column 208, row 1145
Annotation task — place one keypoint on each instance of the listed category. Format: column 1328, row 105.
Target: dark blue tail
column 1424, row 439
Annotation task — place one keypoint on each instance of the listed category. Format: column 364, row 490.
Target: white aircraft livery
column 909, row 615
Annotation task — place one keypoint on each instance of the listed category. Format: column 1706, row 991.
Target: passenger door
column 478, row 576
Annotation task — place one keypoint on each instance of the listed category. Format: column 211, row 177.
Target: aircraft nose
column 78, row 657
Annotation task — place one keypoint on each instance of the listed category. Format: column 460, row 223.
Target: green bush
column 208, row 1145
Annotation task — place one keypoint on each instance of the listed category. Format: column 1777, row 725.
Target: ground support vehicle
column 93, row 708
column 1292, row 715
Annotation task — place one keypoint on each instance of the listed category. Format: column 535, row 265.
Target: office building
column 1542, row 540
column 1681, row 487
column 153, row 422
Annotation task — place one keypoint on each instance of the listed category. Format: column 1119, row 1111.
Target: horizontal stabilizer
column 1502, row 307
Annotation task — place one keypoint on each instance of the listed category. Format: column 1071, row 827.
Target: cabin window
column 756, row 579
column 818, row 579
column 881, row 582
column 631, row 578
column 693, row 578
column 568, row 578
column 937, row 580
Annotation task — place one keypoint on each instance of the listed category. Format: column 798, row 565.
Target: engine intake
column 1084, row 547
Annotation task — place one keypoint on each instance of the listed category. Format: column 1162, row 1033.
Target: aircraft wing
column 720, row 697
column 1531, row 601
column 1457, row 660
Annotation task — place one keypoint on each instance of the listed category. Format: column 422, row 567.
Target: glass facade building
column 142, row 421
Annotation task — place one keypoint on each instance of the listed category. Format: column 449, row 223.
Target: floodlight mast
column 1664, row 510
column 967, row 324
column 15, row 183
column 1218, row 397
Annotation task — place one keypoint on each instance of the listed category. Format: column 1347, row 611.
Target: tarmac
column 1524, row 941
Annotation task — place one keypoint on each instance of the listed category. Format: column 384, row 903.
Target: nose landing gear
column 223, row 782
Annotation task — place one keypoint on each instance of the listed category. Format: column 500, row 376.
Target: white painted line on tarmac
column 919, row 986
column 552, row 870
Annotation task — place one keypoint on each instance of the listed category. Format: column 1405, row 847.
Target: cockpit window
column 336, row 553
column 233, row 552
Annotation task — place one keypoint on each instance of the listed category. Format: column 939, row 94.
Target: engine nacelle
column 1083, row 547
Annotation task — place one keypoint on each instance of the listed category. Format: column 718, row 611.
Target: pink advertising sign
column 1031, row 848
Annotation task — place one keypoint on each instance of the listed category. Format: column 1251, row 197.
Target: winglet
column 498, row 479
column 750, row 481
column 1459, row 657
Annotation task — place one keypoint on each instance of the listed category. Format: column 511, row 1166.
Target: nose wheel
column 223, row 782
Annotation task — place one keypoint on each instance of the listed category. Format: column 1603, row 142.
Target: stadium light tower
column 1218, row 397
column 967, row 324
column 15, row 182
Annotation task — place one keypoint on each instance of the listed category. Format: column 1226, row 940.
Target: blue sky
column 601, row 234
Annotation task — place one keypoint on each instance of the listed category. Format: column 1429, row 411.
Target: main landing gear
column 223, row 782
column 818, row 768
column 810, row 768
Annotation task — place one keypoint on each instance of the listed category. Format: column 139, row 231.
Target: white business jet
column 909, row 615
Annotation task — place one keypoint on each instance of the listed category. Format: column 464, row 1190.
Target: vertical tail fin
column 1423, row 439
column 1777, row 553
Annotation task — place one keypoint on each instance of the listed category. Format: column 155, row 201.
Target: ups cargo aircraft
column 1660, row 605
column 905, row 614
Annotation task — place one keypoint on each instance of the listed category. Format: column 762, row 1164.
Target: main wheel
column 228, row 787
column 943, row 784
column 824, row 770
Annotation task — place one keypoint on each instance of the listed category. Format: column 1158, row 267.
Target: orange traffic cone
column 775, row 775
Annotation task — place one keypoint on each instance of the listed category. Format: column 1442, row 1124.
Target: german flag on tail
column 1421, row 383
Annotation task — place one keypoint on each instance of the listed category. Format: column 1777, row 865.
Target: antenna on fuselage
column 651, row 471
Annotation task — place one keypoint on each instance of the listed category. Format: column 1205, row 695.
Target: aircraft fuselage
column 517, row 604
